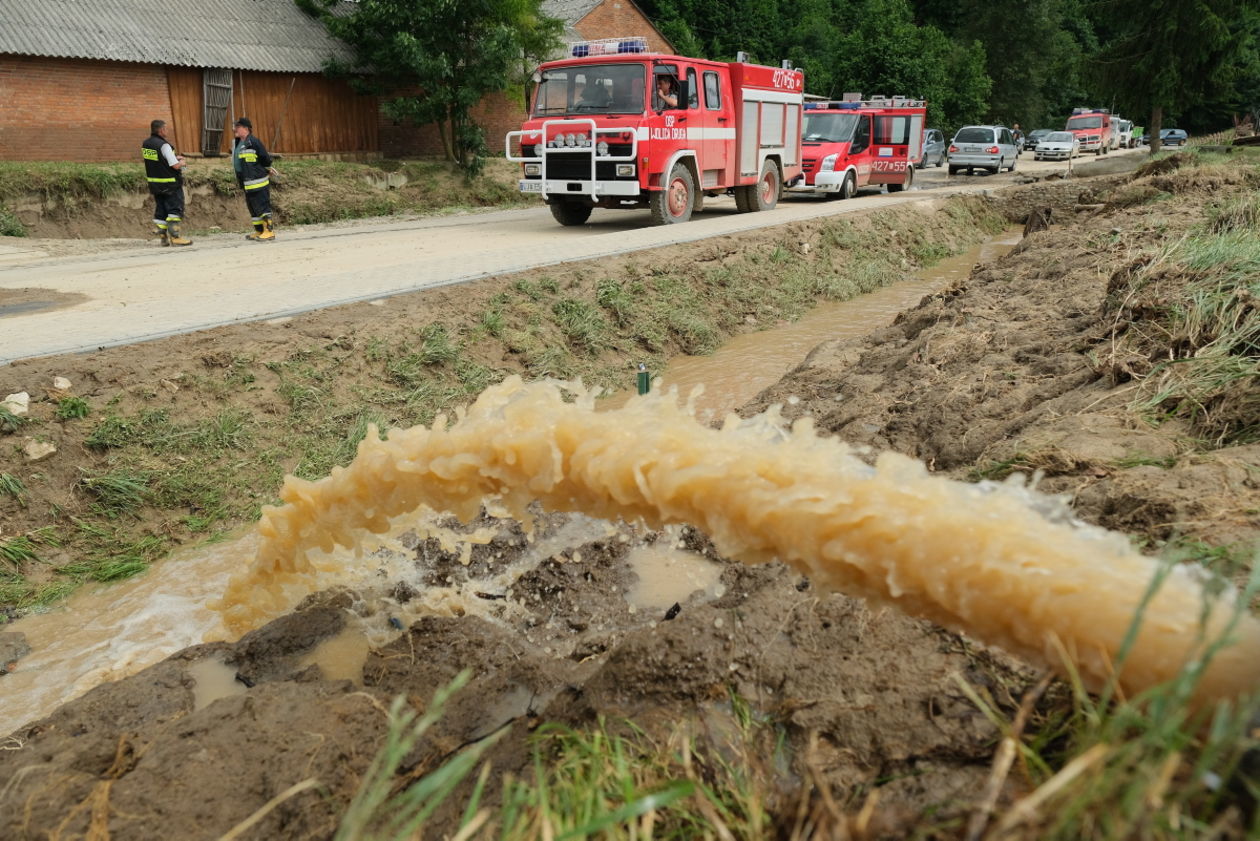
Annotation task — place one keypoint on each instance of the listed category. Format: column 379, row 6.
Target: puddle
column 341, row 657
column 25, row 301
column 668, row 576
column 747, row 364
column 214, row 680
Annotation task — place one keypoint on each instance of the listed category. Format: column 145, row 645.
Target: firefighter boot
column 267, row 234
column 165, row 235
column 259, row 230
column 173, row 237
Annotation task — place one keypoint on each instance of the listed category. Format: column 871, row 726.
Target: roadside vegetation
column 195, row 455
column 308, row 191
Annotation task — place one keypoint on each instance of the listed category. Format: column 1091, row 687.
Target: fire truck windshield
column 1077, row 123
column 591, row 89
column 829, row 128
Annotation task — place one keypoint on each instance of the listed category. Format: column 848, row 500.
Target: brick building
column 81, row 79
column 503, row 112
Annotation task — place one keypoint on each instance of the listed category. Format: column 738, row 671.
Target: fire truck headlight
column 581, row 139
column 601, row 148
column 538, row 150
column 828, row 163
column 570, row 140
column 625, row 170
column 533, row 169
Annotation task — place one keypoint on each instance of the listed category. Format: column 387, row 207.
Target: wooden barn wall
column 322, row 116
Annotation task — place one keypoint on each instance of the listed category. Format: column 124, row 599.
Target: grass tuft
column 72, row 408
column 11, row 485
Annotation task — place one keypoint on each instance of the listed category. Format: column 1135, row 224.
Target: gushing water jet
column 977, row 559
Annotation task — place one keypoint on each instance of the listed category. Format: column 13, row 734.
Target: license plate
column 531, row 186
column 971, row 149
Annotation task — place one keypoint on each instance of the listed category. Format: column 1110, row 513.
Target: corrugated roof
column 270, row 35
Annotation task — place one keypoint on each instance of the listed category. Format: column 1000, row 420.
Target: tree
column 1164, row 55
column 433, row 60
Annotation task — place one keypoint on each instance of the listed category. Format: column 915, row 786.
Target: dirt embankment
column 94, row 201
column 1050, row 358
column 1110, row 354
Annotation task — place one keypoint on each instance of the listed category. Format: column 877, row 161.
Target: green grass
column 618, row 782
column 72, row 408
column 11, row 485
column 18, row 550
column 1139, row 460
column 1154, row 766
column 10, row 422
column 380, row 811
column 10, row 224
column 116, row 493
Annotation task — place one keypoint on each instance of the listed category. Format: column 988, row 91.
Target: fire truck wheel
column 768, row 188
column 849, row 188
column 570, row 213
column 675, row 203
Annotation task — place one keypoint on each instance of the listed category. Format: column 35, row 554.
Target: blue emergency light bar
column 608, row 46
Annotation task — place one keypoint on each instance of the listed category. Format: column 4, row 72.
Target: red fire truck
column 618, row 127
column 857, row 143
column 1093, row 128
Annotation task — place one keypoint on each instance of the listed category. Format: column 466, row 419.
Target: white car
column 1057, row 146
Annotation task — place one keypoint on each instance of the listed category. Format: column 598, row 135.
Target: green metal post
column 645, row 379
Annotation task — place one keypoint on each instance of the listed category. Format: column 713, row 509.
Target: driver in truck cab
column 667, row 91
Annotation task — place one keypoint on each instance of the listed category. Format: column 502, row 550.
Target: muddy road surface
column 59, row 297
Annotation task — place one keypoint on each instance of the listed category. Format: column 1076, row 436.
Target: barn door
column 217, row 98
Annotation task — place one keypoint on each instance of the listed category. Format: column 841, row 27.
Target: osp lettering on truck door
column 670, row 132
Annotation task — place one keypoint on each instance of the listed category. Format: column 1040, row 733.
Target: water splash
column 981, row 560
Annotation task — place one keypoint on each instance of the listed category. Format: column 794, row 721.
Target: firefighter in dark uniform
column 164, row 171
column 253, row 173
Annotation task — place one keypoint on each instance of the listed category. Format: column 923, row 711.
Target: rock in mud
column 35, row 450
column 13, row 647
column 17, row 404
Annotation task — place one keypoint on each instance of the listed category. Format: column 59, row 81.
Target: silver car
column 1057, row 146
column 990, row 148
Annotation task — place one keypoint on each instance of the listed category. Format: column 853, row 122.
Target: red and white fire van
column 858, row 143
column 618, row 127
column 1093, row 128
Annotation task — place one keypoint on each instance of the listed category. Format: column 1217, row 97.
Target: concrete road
column 67, row 304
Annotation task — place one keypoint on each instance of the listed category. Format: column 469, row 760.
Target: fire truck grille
column 577, row 166
column 809, row 164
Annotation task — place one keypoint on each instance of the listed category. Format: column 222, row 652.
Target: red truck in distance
column 615, row 126
column 858, row 143
column 1093, row 128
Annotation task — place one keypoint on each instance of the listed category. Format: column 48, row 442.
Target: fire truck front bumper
column 824, row 182
column 560, row 187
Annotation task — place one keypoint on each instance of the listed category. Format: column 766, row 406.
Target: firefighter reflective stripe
column 255, row 183
column 161, row 180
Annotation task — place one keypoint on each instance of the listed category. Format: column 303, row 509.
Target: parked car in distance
column 990, row 148
column 933, row 148
column 1057, row 146
column 1173, row 137
column 1034, row 137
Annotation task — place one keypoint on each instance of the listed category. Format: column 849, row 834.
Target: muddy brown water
column 749, row 363
column 109, row 632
